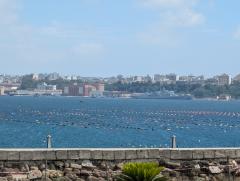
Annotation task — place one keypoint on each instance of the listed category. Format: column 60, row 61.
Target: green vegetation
column 141, row 172
column 197, row 90
column 29, row 83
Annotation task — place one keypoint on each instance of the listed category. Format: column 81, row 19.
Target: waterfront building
column 2, row 90
column 87, row 89
column 84, row 90
column 44, row 86
column 224, row 79
column 100, row 87
column 73, row 90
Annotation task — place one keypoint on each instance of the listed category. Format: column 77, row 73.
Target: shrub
column 141, row 172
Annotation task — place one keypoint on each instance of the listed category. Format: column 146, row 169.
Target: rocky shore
column 216, row 164
column 86, row 170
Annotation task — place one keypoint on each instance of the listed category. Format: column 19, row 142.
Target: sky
column 111, row 37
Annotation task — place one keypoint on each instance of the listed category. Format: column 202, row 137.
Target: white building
column 2, row 90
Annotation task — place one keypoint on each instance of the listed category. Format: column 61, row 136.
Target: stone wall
column 105, row 164
column 117, row 154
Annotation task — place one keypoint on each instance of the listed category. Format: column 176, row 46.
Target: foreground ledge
column 118, row 154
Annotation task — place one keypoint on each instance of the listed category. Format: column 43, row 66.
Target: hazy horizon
column 129, row 37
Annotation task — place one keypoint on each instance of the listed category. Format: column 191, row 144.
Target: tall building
column 159, row 78
column 72, row 90
column 224, row 79
column 84, row 89
column 100, row 87
column 172, row 77
column 87, row 89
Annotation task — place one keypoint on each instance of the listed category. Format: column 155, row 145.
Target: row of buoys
column 113, row 112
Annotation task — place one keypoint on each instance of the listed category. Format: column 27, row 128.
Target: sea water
column 87, row 122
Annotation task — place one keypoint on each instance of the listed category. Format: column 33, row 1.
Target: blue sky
column 129, row 37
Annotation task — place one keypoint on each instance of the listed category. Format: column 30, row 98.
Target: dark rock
column 3, row 179
column 76, row 171
column 74, row 165
column 91, row 178
column 59, row 164
column 67, row 170
column 85, row 173
column 71, row 176
column 172, row 165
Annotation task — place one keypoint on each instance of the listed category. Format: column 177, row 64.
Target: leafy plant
column 141, row 172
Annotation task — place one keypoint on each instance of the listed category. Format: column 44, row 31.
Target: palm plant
column 141, row 172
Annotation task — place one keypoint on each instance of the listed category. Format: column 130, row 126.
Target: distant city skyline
column 129, row 37
column 59, row 75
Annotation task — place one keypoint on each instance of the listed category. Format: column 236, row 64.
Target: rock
column 222, row 177
column 87, row 164
column 45, row 179
column 68, row 170
column 51, row 166
column 237, row 172
column 3, row 179
column 234, row 164
column 203, row 175
column 85, row 173
column 76, row 171
column 91, row 178
column 42, row 166
column 59, row 164
column 198, row 179
column 197, row 167
column 119, row 166
column 62, row 179
column 34, row 168
column 79, row 179
column 71, row 176
column 172, row 165
column 214, row 170
column 66, row 165
column 203, row 163
column 74, row 165
column 99, row 173
column 169, row 173
column 34, row 174
column 53, row 173
column 19, row 176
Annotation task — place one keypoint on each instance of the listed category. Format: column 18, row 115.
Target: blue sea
column 79, row 122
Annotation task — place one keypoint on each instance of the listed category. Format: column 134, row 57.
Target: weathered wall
column 117, row 154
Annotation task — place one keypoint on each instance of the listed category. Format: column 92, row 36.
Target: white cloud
column 177, row 12
column 186, row 18
column 39, row 46
column 174, row 17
